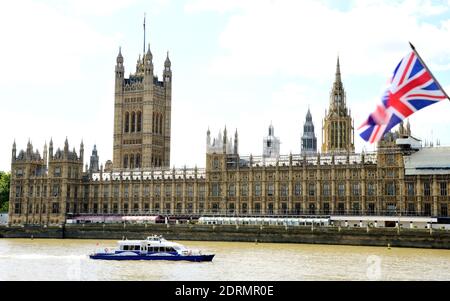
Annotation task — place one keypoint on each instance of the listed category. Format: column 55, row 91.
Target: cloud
column 264, row 38
column 45, row 47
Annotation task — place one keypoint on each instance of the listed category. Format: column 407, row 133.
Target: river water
column 26, row 259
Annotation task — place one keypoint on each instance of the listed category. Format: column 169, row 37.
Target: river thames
column 26, row 259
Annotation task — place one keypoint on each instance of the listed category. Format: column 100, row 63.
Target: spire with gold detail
column 338, row 131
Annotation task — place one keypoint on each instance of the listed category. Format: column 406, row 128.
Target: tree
column 5, row 179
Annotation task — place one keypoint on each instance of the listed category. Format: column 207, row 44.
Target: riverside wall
column 415, row 238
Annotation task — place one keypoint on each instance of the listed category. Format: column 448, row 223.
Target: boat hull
column 195, row 258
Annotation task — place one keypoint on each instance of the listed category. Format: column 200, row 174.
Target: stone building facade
column 402, row 177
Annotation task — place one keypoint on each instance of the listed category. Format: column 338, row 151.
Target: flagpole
column 432, row 76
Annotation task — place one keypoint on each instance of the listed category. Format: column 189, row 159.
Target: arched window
column 131, row 161
column 133, row 122
column 127, row 122
column 139, row 121
column 160, row 124
column 138, row 161
column 125, row 161
column 157, row 123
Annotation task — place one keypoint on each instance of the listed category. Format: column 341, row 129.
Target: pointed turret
column 225, row 138
column 94, row 162
column 119, row 59
column 120, row 72
column 148, row 55
column 408, row 128
column 167, row 63
column 45, row 153
column 308, row 140
column 50, row 149
column 168, row 70
column 236, row 143
column 271, row 144
column 81, row 151
column 208, row 140
column 14, row 151
column 66, row 148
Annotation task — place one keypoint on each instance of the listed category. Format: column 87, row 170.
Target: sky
column 240, row 63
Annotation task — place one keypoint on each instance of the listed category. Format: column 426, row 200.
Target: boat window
column 137, row 248
column 125, row 248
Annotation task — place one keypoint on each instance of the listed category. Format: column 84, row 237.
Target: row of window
column 54, row 209
column 257, row 208
column 133, row 122
column 132, row 161
column 390, row 189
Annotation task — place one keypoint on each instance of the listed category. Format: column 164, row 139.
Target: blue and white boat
column 153, row 248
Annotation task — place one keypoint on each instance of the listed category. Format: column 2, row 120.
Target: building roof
column 428, row 161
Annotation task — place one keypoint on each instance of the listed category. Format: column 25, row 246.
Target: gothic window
column 160, row 124
column 427, row 209
column 231, row 190
column 244, row 190
column 55, row 208
column 390, row 189
column 341, row 189
column 410, row 187
column 215, row 189
column 125, row 161
column 179, row 190
column 201, row 189
column 444, row 210
column 125, row 191
column 127, row 122
column 443, row 186
column 131, row 161
column 284, row 190
column 298, row 189
column 427, row 189
column 168, row 190
column 156, row 124
column 139, row 122
column 326, row 189
column 257, row 208
column 138, row 161
column 258, row 189
column 105, row 192
column 356, row 189
column 133, row 122
column 216, row 163
column 270, row 189
column 371, row 189
column 312, row 189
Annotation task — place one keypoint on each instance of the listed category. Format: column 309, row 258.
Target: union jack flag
column 412, row 88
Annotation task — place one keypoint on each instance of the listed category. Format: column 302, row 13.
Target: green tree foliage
column 4, row 190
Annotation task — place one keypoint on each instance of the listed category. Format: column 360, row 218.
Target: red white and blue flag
column 412, row 88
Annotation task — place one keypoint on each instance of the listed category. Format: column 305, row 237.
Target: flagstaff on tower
column 144, row 33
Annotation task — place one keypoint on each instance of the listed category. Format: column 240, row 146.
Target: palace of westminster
column 401, row 177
